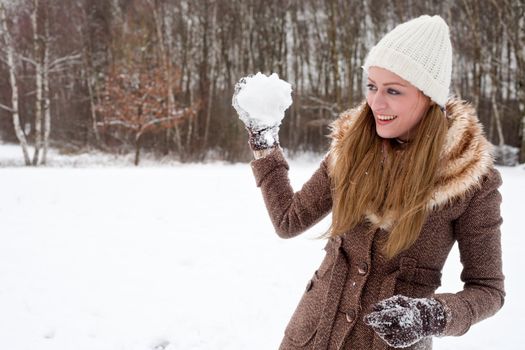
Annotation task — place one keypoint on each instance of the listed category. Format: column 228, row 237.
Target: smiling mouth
column 384, row 117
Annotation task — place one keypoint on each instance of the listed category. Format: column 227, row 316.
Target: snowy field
column 171, row 256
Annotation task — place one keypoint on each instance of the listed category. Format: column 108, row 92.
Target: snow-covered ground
column 177, row 257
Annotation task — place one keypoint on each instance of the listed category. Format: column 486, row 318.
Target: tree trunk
column 92, row 104
column 178, row 139
column 138, row 140
column 521, row 103
column 47, row 102
column 497, row 119
column 334, row 58
column 212, row 79
column 91, row 83
column 522, row 149
column 473, row 20
column 514, row 24
column 164, row 46
column 37, row 47
column 14, row 88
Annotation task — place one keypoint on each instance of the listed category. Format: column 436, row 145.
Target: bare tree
column 11, row 64
column 136, row 102
column 513, row 20
column 38, row 62
column 45, row 85
column 319, row 46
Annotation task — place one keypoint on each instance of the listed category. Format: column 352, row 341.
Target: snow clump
column 261, row 100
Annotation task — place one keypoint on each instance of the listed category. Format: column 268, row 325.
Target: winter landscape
column 129, row 214
column 96, row 254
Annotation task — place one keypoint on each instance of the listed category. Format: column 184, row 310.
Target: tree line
column 122, row 75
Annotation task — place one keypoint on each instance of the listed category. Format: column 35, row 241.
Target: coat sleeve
column 292, row 213
column 478, row 234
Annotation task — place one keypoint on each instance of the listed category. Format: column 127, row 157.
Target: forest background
column 123, row 76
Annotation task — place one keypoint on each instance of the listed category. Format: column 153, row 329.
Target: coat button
column 362, row 269
column 309, row 285
column 350, row 316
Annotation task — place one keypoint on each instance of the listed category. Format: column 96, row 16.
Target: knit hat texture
column 420, row 52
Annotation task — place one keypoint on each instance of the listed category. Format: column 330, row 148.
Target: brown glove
column 260, row 139
column 402, row 321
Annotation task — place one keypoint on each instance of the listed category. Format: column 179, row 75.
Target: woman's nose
column 378, row 102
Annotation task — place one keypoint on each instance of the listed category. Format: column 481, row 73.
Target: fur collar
column 467, row 155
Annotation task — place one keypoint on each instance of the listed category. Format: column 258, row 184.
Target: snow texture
column 402, row 321
column 108, row 256
column 261, row 101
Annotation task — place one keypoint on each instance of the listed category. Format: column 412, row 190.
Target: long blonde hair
column 376, row 175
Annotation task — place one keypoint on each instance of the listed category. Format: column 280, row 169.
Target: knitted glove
column 260, row 139
column 402, row 321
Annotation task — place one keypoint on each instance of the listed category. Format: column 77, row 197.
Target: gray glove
column 402, row 321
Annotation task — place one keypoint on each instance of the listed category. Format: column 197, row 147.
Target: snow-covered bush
column 506, row 155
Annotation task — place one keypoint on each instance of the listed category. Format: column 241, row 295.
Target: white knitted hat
column 420, row 52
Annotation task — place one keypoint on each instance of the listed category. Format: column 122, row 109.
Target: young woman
column 409, row 173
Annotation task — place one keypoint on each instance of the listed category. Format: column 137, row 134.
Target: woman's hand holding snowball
column 260, row 102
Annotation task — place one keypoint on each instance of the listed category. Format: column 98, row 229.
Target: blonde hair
column 380, row 176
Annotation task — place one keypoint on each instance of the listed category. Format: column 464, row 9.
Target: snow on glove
column 263, row 138
column 260, row 102
column 402, row 321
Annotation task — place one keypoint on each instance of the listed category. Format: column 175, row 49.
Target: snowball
column 261, row 100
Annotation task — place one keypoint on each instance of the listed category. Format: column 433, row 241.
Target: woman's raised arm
column 292, row 213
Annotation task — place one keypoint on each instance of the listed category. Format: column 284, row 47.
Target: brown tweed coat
column 353, row 276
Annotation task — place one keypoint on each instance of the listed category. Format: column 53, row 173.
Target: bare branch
column 7, row 108
column 28, row 60
column 324, row 105
column 72, row 57
column 179, row 114
column 118, row 122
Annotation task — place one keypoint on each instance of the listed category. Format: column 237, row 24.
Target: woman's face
column 397, row 105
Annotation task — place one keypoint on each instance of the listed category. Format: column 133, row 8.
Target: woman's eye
column 390, row 91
